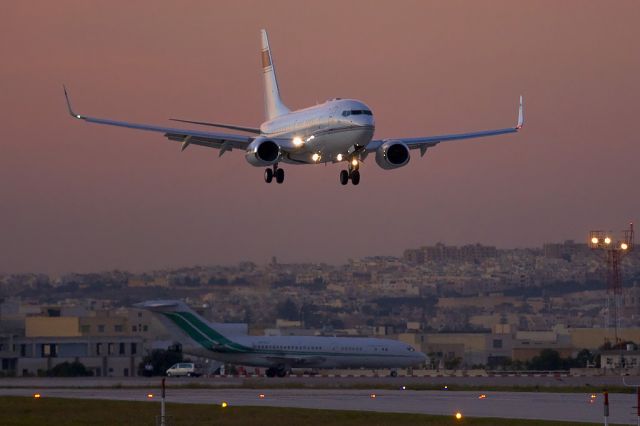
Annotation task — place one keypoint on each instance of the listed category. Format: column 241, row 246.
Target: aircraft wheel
column 279, row 175
column 344, row 177
column 355, row 177
column 270, row 372
column 281, row 373
column 268, row 175
column 393, row 373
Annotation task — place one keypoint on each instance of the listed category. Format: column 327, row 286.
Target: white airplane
column 279, row 354
column 337, row 131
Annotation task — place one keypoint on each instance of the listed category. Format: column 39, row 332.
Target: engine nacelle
column 262, row 152
column 392, row 154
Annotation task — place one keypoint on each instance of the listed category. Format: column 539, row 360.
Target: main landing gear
column 353, row 173
column 273, row 372
column 276, row 172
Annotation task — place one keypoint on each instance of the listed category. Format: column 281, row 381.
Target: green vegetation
column 549, row 360
column 69, row 369
column 20, row 411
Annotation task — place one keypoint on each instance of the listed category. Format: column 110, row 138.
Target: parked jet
column 336, row 131
column 279, row 354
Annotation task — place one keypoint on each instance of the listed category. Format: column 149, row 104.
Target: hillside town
column 472, row 306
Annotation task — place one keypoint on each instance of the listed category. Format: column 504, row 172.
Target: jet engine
column 262, row 152
column 392, row 154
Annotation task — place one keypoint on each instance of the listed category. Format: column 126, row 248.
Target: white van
column 183, row 369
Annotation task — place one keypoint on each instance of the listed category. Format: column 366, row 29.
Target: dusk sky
column 81, row 197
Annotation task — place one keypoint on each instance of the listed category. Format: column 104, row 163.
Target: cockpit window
column 410, row 349
column 347, row 113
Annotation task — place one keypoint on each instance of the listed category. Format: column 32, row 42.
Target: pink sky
column 79, row 197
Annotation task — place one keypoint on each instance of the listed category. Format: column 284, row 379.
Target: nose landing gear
column 353, row 173
column 276, row 172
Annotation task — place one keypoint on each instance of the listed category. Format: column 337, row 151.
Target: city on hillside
column 471, row 306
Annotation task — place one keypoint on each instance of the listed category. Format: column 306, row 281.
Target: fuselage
column 323, row 133
column 314, row 352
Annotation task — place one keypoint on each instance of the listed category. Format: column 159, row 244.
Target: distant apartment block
column 441, row 253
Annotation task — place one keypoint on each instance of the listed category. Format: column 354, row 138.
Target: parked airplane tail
column 272, row 103
column 178, row 317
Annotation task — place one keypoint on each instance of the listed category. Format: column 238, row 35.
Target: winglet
column 66, row 96
column 520, row 116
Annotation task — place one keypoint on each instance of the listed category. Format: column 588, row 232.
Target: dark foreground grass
column 22, row 411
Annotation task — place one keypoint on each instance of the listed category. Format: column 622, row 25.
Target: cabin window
column 346, row 113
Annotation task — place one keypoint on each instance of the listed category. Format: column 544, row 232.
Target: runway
column 516, row 405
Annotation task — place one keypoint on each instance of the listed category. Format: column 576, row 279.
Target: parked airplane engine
column 392, row 154
column 262, row 152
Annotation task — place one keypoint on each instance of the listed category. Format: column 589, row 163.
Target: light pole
column 614, row 250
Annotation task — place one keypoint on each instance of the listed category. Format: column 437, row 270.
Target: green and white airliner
column 279, row 354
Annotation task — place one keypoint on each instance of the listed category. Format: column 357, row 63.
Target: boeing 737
column 336, row 131
column 279, row 354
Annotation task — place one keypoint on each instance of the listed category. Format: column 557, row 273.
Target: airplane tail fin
column 272, row 103
column 180, row 318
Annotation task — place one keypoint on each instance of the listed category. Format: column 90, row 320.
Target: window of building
column 100, row 328
column 118, row 328
column 98, row 348
column 145, row 328
column 110, row 348
column 134, row 348
column 134, row 328
column 85, row 328
column 121, row 349
column 497, row 343
column 23, row 350
column 49, row 350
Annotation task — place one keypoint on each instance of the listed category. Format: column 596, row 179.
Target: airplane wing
column 423, row 143
column 222, row 141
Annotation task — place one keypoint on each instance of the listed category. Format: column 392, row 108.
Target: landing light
column 482, row 396
column 78, row 116
column 310, row 138
column 458, row 415
column 315, row 157
column 594, row 240
column 624, row 246
column 261, row 396
column 224, row 404
column 354, row 162
column 297, row 141
column 37, row 395
column 607, row 240
column 372, row 396
column 339, row 157
column 149, row 395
